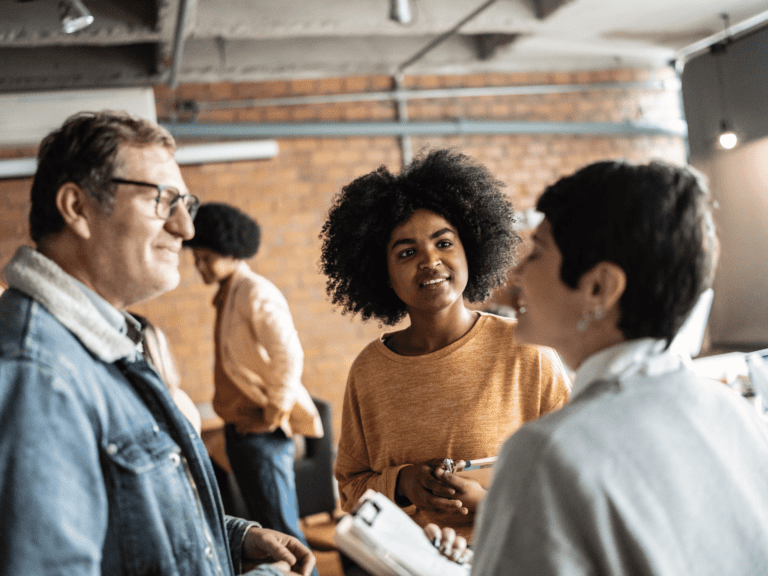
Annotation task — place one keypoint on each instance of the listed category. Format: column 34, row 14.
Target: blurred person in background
column 158, row 351
column 258, row 367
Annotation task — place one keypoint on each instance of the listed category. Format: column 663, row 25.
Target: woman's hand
column 417, row 484
column 449, row 545
column 469, row 492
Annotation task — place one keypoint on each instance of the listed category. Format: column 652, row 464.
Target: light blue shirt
column 649, row 470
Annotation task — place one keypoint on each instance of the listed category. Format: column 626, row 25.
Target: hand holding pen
column 469, row 492
column 418, row 484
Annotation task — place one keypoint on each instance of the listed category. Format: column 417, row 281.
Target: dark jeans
column 263, row 467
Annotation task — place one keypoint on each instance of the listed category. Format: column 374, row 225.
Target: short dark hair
column 84, row 150
column 366, row 211
column 654, row 221
column 225, row 230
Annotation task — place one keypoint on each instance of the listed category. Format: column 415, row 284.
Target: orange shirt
column 459, row 402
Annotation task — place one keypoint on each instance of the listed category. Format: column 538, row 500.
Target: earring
column 598, row 312
column 582, row 324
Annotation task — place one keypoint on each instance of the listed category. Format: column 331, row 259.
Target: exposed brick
column 278, row 114
column 220, row 90
column 381, row 83
column 355, row 84
column 429, row 82
column 276, row 89
column 329, row 85
column 303, row 86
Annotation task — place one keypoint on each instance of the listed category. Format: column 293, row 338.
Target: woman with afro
column 454, row 383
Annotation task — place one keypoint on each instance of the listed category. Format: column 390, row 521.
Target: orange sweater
column 460, row 402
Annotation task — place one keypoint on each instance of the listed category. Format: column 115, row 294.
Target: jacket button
column 209, row 553
column 175, row 458
column 112, row 449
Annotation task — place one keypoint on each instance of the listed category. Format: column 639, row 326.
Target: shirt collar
column 644, row 356
column 123, row 322
column 221, row 294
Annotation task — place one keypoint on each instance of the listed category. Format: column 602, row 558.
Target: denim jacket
column 101, row 474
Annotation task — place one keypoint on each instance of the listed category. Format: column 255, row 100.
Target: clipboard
column 385, row 541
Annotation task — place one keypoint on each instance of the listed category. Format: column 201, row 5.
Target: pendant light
column 727, row 138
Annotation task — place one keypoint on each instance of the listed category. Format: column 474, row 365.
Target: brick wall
column 291, row 193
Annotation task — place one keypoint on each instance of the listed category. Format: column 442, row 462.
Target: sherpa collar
column 44, row 281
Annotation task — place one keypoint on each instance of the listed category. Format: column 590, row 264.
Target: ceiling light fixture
column 400, row 11
column 74, row 16
column 727, row 138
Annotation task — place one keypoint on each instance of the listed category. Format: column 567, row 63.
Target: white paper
column 385, row 541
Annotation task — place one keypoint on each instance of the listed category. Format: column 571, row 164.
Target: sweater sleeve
column 353, row 467
column 555, row 384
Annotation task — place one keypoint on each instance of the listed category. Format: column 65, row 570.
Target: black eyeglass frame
column 191, row 209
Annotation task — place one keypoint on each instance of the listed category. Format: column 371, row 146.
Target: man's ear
column 603, row 285
column 73, row 205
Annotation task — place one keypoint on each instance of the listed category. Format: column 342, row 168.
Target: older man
column 101, row 472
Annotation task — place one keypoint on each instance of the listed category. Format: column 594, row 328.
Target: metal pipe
column 737, row 29
column 25, row 167
column 443, row 37
column 439, row 93
column 406, row 150
column 178, row 42
column 458, row 127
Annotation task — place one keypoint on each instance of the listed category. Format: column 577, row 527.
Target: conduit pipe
column 733, row 31
column 406, row 150
column 405, row 95
column 443, row 37
column 459, row 127
column 178, row 42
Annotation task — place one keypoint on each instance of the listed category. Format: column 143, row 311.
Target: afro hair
column 225, row 230
column 366, row 211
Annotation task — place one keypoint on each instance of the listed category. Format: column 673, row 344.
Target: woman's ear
column 603, row 285
column 72, row 204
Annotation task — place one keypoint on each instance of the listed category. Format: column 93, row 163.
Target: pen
column 479, row 463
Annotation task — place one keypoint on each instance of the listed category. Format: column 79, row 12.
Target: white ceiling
column 135, row 42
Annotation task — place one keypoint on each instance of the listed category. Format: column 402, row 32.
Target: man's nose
column 180, row 223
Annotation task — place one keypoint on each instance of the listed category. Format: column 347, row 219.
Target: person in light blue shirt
column 102, row 474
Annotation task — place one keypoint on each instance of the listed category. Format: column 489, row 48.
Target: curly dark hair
column 84, row 150
column 225, row 230
column 366, row 211
column 654, row 221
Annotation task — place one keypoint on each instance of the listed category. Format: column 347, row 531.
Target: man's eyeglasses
column 167, row 198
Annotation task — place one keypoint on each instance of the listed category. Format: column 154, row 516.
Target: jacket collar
column 44, row 281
